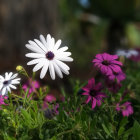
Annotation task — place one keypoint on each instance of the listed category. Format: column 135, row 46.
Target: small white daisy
column 8, row 82
column 48, row 55
column 127, row 53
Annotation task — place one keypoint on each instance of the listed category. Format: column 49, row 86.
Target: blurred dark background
column 86, row 26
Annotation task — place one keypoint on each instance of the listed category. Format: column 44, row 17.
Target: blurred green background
column 86, row 26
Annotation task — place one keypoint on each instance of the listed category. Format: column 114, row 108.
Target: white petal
column 63, row 67
column 35, row 61
column 1, row 85
column 38, row 66
column 52, row 42
column 12, row 86
column 40, row 45
column 63, row 49
column 34, row 48
column 43, row 40
column 1, row 78
column 9, row 90
column 15, row 82
column 6, row 76
column 10, row 74
column 48, row 38
column 4, row 92
column 35, row 55
column 36, row 45
column 57, row 45
column 52, row 72
column 58, row 71
column 17, row 79
column 44, row 69
column 14, row 76
column 66, row 59
column 63, row 54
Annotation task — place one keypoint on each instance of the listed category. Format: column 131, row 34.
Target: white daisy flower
column 8, row 82
column 48, row 55
column 127, row 53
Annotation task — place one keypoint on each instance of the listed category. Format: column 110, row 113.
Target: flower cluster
column 131, row 54
column 2, row 98
column 111, row 69
column 30, row 85
column 127, row 53
column 47, row 55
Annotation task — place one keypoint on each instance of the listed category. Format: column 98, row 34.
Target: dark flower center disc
column 105, row 62
column 5, row 82
column 49, row 55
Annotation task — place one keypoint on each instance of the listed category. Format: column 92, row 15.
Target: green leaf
column 106, row 130
column 53, row 138
column 128, row 133
column 136, row 130
column 123, row 122
column 121, row 130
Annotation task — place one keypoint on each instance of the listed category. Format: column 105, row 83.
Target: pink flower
column 125, row 108
column 93, row 93
column 107, row 63
column 119, row 76
column 51, row 110
column 2, row 98
column 31, row 85
column 48, row 99
column 56, row 109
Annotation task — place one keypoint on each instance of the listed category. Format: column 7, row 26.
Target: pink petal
column 88, row 99
column 96, row 61
column 114, row 56
column 91, row 83
column 99, row 56
column 93, row 103
column 116, row 62
column 85, row 93
column 98, row 102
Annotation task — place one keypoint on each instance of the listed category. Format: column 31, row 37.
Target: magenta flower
column 51, row 110
column 125, row 108
column 2, row 98
column 56, row 107
column 31, row 85
column 107, row 63
column 119, row 76
column 93, row 93
column 48, row 99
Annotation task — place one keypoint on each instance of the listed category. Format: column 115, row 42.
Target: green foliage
column 23, row 118
column 136, row 130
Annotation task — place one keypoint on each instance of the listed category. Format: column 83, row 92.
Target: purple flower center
column 92, row 92
column 49, row 55
column 115, row 73
column 105, row 62
column 5, row 82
